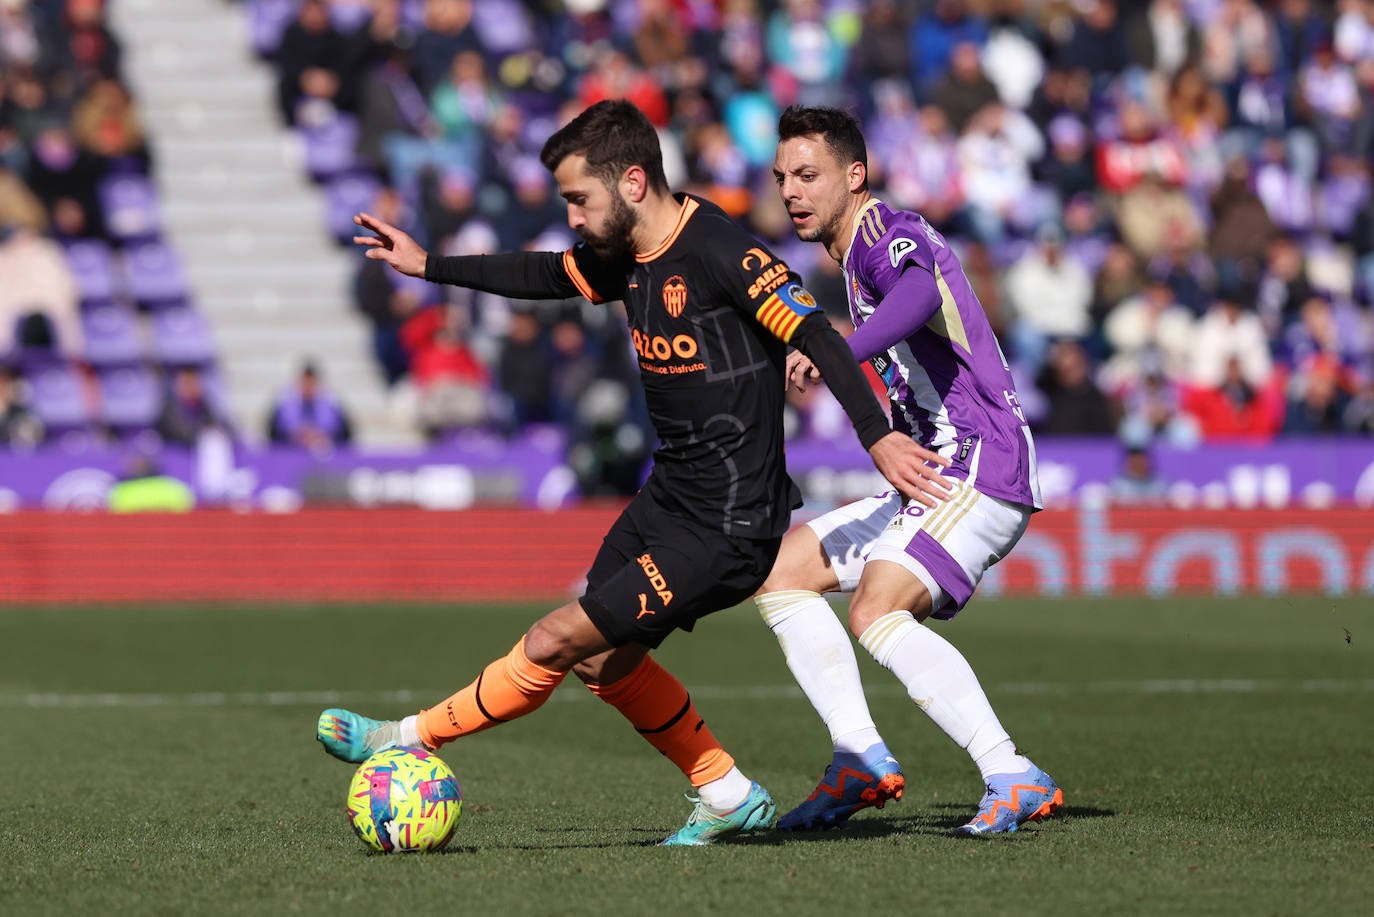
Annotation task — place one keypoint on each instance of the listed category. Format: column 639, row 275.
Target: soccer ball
column 404, row 800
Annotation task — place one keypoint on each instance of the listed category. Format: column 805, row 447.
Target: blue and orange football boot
column 353, row 737
column 851, row 782
column 1011, row 801
column 706, row 827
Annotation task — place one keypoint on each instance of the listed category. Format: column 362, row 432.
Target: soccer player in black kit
column 711, row 313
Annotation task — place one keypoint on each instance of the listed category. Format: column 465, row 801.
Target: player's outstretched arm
column 391, row 245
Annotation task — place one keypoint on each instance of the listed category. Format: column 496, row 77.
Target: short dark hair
column 837, row 127
column 613, row 135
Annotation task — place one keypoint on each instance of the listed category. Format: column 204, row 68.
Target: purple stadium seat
column 331, row 148
column 155, row 274
column 112, row 335
column 58, row 395
column 345, row 196
column 130, row 206
column 181, row 336
column 130, row 397
column 92, row 265
column 267, row 21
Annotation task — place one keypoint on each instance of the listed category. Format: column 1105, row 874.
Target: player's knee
column 553, row 647
column 863, row 614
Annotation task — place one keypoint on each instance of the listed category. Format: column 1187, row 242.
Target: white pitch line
column 109, row 699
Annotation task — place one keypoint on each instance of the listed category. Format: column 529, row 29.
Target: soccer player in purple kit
column 919, row 323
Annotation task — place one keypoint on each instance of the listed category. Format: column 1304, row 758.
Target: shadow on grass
column 937, row 821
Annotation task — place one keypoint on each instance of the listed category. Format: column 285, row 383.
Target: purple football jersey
column 949, row 383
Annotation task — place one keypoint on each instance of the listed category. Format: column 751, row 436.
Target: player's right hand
column 801, row 370
column 912, row 469
column 391, row 245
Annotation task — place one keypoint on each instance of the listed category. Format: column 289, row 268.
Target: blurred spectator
column 1148, row 330
column 1241, row 227
column 37, row 284
column 1068, row 168
column 447, row 32
column 1283, row 285
column 1230, row 341
column 1097, row 41
column 965, row 90
column 933, row 38
column 1330, row 97
column 1076, row 406
column 1233, row 32
column 308, row 415
column 1235, row 408
column 1197, row 115
column 1050, row 294
column 615, row 76
column 1287, row 196
column 310, row 63
column 608, row 450
column 20, row 207
column 1138, row 483
column 1299, row 26
column 994, row 157
column 1162, row 38
column 450, row 380
column 106, row 125
column 386, row 298
column 1011, row 57
column 885, row 52
column 65, row 177
column 392, row 111
column 20, row 428
column 1318, row 396
column 803, row 43
column 1262, row 106
column 187, row 410
column 524, row 370
column 144, row 488
column 466, row 101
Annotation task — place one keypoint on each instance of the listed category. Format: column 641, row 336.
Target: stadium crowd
column 1164, row 205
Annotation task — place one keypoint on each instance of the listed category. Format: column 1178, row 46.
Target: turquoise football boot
column 1012, row 800
column 706, row 827
column 851, row 782
column 352, row 737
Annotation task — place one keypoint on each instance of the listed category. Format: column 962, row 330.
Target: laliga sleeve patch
column 898, row 249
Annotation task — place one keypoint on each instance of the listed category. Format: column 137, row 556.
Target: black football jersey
column 710, row 313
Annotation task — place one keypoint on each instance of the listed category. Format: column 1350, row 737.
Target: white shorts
column 947, row 548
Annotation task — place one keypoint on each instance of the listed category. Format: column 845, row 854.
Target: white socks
column 822, row 661
column 938, row 678
column 726, row 793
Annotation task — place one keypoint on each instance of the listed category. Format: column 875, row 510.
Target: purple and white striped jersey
column 949, row 383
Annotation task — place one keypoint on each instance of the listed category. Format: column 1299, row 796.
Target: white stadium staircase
column 238, row 207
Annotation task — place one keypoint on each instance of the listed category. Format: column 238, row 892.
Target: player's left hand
column 912, row 469
column 801, row 370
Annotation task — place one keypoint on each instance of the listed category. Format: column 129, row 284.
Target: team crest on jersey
column 795, row 297
column 898, row 249
column 675, row 295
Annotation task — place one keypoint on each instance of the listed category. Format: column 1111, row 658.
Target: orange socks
column 507, row 689
column 658, row 706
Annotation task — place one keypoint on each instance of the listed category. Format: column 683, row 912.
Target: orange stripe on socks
column 507, row 689
column 659, row 707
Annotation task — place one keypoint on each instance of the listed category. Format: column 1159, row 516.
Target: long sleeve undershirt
column 909, row 304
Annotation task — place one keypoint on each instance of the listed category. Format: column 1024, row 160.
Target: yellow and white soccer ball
column 404, row 800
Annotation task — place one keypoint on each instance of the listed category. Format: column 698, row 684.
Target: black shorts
column 657, row 572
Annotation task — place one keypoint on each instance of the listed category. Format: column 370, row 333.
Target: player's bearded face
column 813, row 187
column 614, row 237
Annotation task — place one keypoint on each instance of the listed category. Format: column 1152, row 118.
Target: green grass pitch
column 1215, row 756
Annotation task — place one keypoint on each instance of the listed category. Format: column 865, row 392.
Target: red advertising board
column 520, row 554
